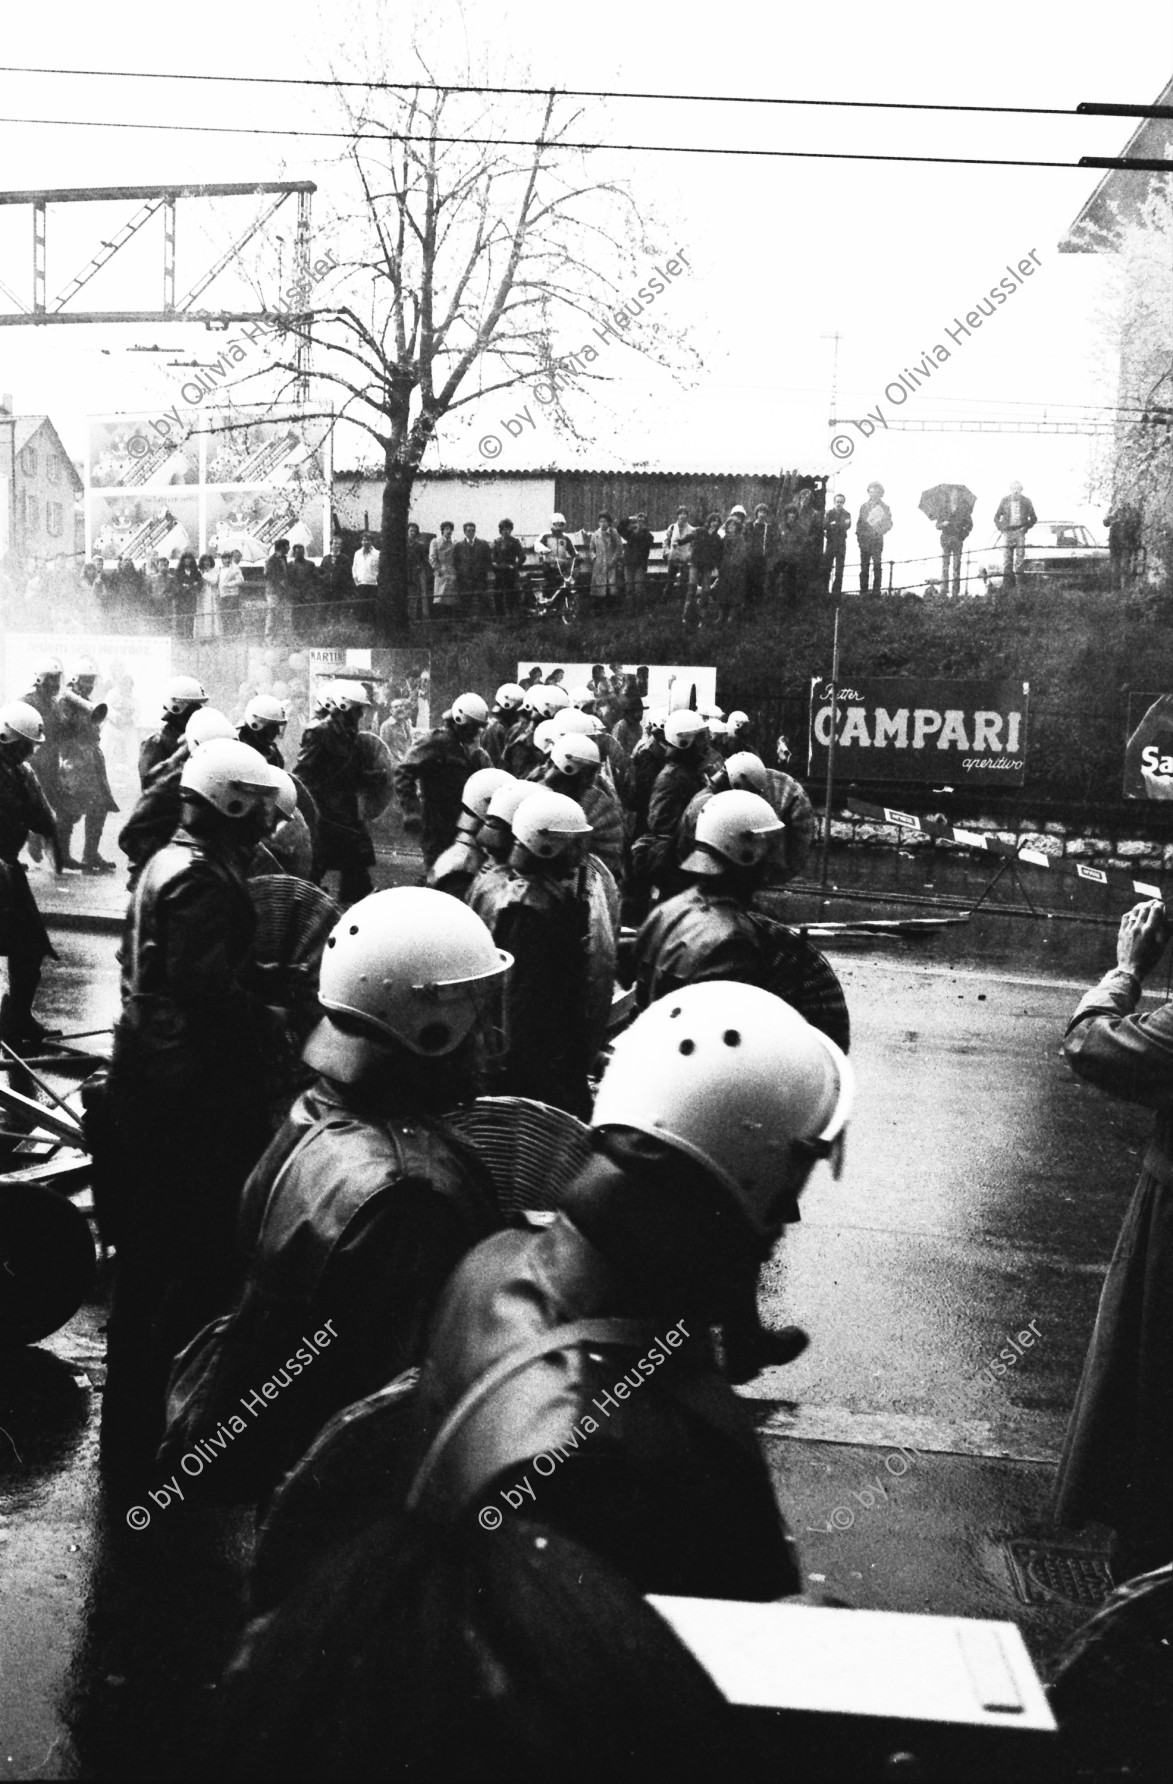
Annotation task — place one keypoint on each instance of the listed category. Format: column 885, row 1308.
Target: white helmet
column 347, row 696
column 557, row 520
column 265, row 709
column 181, row 692
column 572, row 754
column 45, row 668
column 510, row 696
column 555, row 696
column 469, row 709
column 479, row 789
column 747, row 771
column 547, row 823
column 716, row 727
column 735, row 1078
column 84, row 669
column 534, row 703
column 711, row 712
column 206, row 724
column 286, row 793
column 544, row 735
column 504, row 802
column 582, row 698
column 229, row 775
column 682, row 728
column 655, row 719
column 737, row 721
column 736, row 826
column 410, row 965
column 571, row 719
column 597, row 725
column 20, row 720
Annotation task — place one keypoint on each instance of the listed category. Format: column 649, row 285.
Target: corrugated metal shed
column 581, row 495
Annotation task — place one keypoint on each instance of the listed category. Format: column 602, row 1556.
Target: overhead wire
column 378, row 86
column 551, row 143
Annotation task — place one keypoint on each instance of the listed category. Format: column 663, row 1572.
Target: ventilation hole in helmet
column 731, row 1038
column 353, row 930
column 332, row 941
column 687, row 1047
column 674, row 1012
column 434, row 1036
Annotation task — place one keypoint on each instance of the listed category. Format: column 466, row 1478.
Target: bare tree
column 494, row 260
column 1137, row 469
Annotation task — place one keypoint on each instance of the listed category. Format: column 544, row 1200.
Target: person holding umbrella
column 950, row 507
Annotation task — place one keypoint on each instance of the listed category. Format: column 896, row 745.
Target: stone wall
column 1065, row 841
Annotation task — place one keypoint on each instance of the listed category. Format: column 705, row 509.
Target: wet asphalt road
column 983, row 1191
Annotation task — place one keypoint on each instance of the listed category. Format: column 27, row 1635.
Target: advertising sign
column 943, row 733
column 1148, row 755
column 662, row 684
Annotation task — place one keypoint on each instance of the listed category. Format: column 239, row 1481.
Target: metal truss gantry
column 151, row 201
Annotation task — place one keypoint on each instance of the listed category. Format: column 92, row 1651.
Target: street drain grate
column 1042, row 1572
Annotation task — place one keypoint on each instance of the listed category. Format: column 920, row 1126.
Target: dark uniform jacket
column 356, row 1220
column 706, row 933
column 433, row 773
column 520, row 755
column 82, row 781
column 23, row 807
column 340, row 770
column 156, row 813
column 677, row 783
column 646, row 1485
column 156, row 748
column 544, row 922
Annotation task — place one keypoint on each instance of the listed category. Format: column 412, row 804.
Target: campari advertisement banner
column 941, row 733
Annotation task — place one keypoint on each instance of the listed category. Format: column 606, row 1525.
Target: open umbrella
column 938, row 502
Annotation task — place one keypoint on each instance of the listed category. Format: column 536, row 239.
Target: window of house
column 30, row 512
column 53, row 519
column 28, row 460
column 53, row 468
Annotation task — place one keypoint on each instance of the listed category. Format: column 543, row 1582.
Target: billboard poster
column 228, row 479
column 1148, row 754
column 661, row 684
column 940, row 733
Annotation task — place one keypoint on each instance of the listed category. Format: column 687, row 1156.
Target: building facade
column 40, row 488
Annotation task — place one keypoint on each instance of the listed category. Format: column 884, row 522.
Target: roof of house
column 28, row 427
column 1093, row 231
column 495, row 473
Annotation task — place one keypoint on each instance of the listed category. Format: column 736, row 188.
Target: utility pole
column 836, row 337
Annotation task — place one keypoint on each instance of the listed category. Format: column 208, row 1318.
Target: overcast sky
column 784, row 253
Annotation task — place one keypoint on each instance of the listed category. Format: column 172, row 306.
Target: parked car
column 1060, row 550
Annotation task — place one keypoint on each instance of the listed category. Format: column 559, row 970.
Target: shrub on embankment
column 1081, row 652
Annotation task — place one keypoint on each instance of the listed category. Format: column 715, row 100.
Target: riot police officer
column 182, row 696
column 23, row 808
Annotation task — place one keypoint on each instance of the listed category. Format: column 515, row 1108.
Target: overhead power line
column 369, row 86
column 513, row 142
